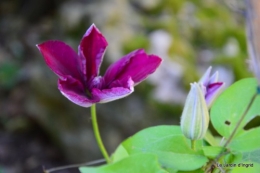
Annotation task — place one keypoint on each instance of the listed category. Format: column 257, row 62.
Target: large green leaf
column 168, row 143
column 231, row 105
column 143, row 163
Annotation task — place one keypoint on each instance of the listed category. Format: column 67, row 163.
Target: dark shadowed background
column 39, row 127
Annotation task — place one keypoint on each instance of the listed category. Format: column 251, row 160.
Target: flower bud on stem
column 193, row 142
column 195, row 115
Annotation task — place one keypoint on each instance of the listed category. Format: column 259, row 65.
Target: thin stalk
column 193, row 144
column 210, row 138
column 73, row 166
column 97, row 134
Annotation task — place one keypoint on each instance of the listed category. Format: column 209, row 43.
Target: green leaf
column 247, row 167
column 252, row 156
column 210, row 139
column 211, row 152
column 168, row 143
column 194, row 171
column 121, row 153
column 247, row 141
column 143, row 163
column 170, row 170
column 233, row 158
column 231, row 105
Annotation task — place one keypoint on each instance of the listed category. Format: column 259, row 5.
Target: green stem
column 210, row 138
column 73, row 166
column 97, row 134
column 193, row 144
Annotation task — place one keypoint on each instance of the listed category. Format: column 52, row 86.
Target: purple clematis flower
column 211, row 87
column 78, row 74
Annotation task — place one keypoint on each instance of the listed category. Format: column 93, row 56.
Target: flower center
column 88, row 93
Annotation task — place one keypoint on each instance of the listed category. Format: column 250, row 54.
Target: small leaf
column 120, row 154
column 211, row 152
column 143, row 163
column 168, row 143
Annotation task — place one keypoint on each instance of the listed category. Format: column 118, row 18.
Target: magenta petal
column 61, row 58
column 91, row 51
column 115, row 69
column 213, row 91
column 114, row 93
column 137, row 64
column 74, row 90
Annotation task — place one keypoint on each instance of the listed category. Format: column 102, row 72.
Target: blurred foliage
column 139, row 41
column 195, row 26
column 8, row 72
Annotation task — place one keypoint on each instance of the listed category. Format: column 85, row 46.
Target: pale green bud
column 195, row 115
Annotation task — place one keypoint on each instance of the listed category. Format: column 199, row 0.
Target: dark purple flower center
column 88, row 93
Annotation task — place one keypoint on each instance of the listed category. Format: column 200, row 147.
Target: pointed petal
column 118, row 91
column 61, row 58
column 114, row 70
column 91, row 51
column 213, row 91
column 204, row 80
column 74, row 90
column 137, row 64
column 214, row 78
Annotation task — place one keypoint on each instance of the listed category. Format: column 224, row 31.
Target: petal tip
column 93, row 25
column 39, row 45
column 206, row 76
column 91, row 29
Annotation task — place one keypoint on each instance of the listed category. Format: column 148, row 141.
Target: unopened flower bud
column 195, row 116
column 211, row 87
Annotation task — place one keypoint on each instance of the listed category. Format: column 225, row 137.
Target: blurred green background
column 39, row 127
